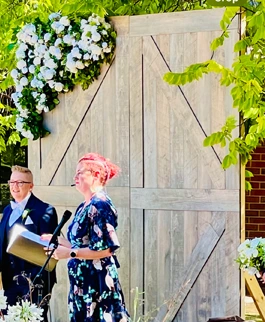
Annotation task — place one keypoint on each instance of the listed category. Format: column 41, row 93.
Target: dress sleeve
column 104, row 227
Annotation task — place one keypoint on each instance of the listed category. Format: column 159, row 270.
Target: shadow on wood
column 226, row 319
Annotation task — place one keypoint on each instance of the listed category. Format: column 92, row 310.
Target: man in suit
column 37, row 217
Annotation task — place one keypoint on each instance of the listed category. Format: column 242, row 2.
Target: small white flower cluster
column 47, row 56
column 252, row 255
column 25, row 311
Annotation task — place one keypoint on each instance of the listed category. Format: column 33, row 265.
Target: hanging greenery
column 247, row 79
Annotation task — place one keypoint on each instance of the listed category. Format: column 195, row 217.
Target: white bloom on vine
column 61, row 73
column 95, row 57
column 58, row 41
column 34, row 39
column 51, row 83
column 29, row 135
column 39, row 107
column 24, row 81
column 14, row 73
column 104, row 45
column 42, row 98
column 20, row 53
column 35, row 94
column 65, row 21
column 32, row 69
column 40, row 50
column 106, row 25
column 95, row 49
column 3, row 298
column 67, row 39
column 70, row 64
column 82, row 44
column 55, row 51
column 21, row 63
column 86, row 56
column 24, row 70
column 79, row 64
column 104, row 32
column 19, row 123
column 24, row 113
column 58, row 86
column 15, row 97
column 47, row 37
column 96, row 36
column 36, row 61
column 19, row 88
column 76, row 53
column 50, row 63
column 57, row 27
column 46, row 109
column 49, row 73
column 54, row 16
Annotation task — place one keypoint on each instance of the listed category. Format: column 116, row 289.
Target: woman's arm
column 61, row 240
column 63, row 252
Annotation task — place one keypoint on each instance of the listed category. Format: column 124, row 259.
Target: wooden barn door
column 179, row 221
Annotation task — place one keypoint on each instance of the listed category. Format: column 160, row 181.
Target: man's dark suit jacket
column 45, row 220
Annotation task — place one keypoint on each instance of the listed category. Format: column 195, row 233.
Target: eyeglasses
column 18, row 183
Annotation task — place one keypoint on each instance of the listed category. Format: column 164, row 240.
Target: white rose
column 58, row 41
column 24, row 70
column 79, row 65
column 20, row 54
column 95, row 49
column 64, row 21
column 54, row 15
column 67, row 39
column 50, row 63
column 32, row 69
column 34, row 39
column 24, row 113
column 47, row 36
column 36, row 61
column 21, row 64
column 76, row 53
column 51, row 83
column 104, row 45
column 14, row 73
column 58, row 87
column 57, row 27
column 19, row 88
column 35, row 94
column 24, row 81
column 46, row 109
column 95, row 36
column 27, row 134
column 48, row 74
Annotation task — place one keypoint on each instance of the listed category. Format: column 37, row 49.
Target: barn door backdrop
column 179, row 221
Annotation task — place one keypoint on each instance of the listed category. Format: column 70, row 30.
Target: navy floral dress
column 95, row 292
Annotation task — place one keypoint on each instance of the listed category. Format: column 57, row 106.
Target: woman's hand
column 61, row 240
column 60, row 252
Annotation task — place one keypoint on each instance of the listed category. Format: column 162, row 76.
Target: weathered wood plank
column 185, row 199
column 70, row 197
column 136, row 113
column 198, row 258
column 178, row 22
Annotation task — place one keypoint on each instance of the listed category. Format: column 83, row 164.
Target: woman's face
column 83, row 178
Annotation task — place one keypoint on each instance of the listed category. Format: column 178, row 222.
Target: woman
column 95, row 292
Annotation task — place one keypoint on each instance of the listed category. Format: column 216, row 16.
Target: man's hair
column 22, row 170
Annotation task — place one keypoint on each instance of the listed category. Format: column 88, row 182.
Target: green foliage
column 247, row 79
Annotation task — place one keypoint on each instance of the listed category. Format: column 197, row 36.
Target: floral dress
column 95, row 292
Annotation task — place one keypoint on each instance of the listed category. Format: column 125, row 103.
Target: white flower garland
column 52, row 58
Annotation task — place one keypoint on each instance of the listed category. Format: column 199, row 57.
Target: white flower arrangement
column 26, row 311
column 252, row 255
column 51, row 58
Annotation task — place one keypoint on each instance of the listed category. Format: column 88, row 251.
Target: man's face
column 20, row 185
